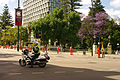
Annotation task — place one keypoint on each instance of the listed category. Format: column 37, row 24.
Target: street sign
column 18, row 17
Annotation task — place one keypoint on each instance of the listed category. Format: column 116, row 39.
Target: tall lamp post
column 92, row 26
column 18, row 20
column 18, row 26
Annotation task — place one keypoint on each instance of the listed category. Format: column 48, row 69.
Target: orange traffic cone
column 3, row 47
column 14, row 46
column 58, row 50
column 98, row 52
column 0, row 46
column 20, row 47
column 11, row 47
column 71, row 51
column 6, row 46
column 31, row 48
column 25, row 47
column 43, row 49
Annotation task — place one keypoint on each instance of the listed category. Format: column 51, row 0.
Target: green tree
column 70, row 5
column 114, row 32
column 6, row 18
column 24, row 35
column 42, row 25
column 57, row 24
column 97, row 7
column 29, row 28
column 74, row 4
column 74, row 24
column 8, row 35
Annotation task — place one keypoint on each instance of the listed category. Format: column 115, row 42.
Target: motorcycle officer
column 36, row 53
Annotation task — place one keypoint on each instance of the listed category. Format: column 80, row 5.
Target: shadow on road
column 10, row 70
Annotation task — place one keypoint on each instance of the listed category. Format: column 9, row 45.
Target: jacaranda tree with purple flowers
column 100, row 24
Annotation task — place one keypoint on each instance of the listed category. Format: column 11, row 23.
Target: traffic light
column 38, row 34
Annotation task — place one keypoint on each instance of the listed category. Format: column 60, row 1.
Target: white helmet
column 36, row 43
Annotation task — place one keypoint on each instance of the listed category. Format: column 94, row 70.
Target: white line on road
column 78, row 71
column 15, row 73
column 58, row 72
column 37, row 72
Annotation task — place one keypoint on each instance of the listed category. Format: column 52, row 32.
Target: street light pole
column 18, row 26
column 92, row 27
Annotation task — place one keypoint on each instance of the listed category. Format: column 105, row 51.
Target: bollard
column 98, row 52
column 43, row 49
column 58, row 50
column 71, row 51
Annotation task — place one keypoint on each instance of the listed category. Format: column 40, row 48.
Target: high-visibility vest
column 39, row 49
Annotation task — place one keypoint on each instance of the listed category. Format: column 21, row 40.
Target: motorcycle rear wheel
column 42, row 65
column 22, row 63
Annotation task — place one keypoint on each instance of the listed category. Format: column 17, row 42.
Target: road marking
column 58, row 72
column 15, row 73
column 37, row 72
column 78, row 71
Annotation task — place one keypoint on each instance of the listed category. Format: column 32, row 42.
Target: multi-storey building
column 34, row 9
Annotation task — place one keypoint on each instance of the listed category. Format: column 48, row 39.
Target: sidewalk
column 9, row 51
column 88, row 54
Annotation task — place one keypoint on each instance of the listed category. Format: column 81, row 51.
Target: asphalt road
column 60, row 67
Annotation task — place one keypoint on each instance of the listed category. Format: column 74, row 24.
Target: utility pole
column 92, row 28
column 18, row 26
column 18, row 20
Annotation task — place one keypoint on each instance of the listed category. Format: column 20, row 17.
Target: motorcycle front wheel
column 22, row 63
column 42, row 65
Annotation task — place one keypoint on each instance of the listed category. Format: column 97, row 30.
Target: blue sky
column 112, row 7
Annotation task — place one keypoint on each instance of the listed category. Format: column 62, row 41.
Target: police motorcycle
column 27, row 58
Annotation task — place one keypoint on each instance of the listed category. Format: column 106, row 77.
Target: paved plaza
column 61, row 66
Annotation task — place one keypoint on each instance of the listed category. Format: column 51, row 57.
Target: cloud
column 115, row 3
column 83, row 11
column 113, row 12
column 12, row 13
column 85, row 2
column 3, row 2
